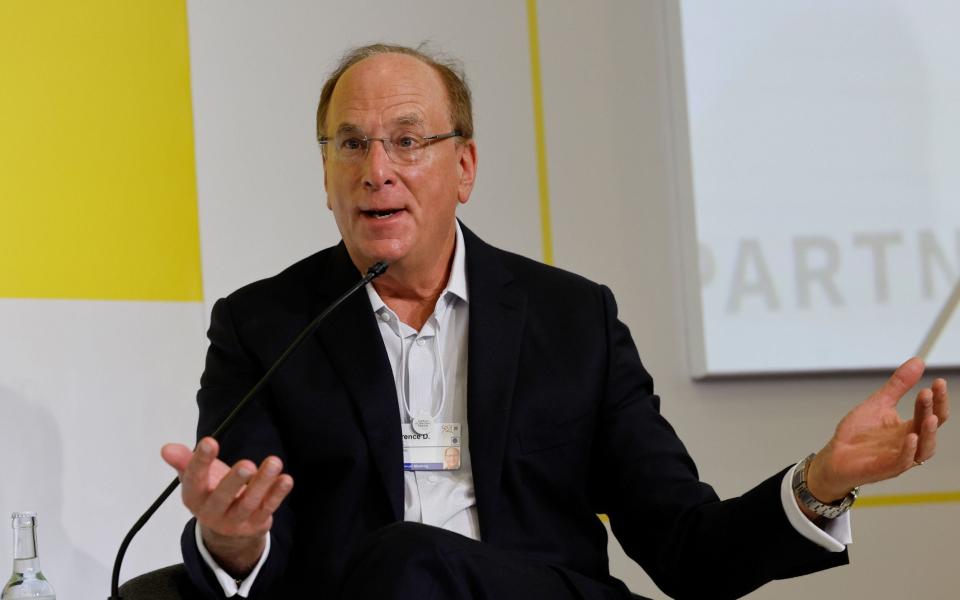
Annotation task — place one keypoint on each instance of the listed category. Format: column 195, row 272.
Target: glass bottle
column 27, row 581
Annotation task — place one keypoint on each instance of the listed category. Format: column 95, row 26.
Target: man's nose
column 377, row 166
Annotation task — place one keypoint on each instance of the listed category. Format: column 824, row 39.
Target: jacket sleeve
column 231, row 371
column 690, row 543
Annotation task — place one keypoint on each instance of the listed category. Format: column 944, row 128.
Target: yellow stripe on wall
column 97, row 183
column 540, row 132
column 908, row 499
column 891, row 500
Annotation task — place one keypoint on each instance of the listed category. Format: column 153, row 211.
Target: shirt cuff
column 832, row 534
column 231, row 587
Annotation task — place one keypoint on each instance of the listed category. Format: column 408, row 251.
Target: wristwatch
column 802, row 492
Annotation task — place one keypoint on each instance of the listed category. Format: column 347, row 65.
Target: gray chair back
column 168, row 583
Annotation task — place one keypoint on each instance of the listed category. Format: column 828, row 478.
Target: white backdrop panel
column 823, row 139
column 89, row 392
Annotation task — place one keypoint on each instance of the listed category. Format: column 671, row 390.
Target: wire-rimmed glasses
column 403, row 148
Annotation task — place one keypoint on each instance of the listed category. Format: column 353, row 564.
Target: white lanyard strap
column 405, row 367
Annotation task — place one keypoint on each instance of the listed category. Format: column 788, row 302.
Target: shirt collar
column 456, row 283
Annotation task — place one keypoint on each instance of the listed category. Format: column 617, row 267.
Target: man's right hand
column 234, row 506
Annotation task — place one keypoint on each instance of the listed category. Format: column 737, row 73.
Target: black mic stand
column 373, row 272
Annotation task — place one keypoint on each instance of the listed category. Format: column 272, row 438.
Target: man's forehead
column 398, row 89
column 409, row 120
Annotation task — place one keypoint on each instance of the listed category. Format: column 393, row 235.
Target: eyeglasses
column 403, row 148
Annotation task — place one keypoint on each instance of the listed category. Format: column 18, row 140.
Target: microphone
column 373, row 272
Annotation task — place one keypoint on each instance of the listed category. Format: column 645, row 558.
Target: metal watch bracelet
column 802, row 492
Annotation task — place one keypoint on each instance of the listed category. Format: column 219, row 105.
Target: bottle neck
column 25, row 543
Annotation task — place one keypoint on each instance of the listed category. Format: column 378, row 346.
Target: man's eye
column 406, row 142
column 351, row 144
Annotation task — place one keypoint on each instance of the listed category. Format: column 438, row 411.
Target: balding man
column 522, row 368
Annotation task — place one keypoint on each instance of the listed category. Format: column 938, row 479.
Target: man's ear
column 468, row 170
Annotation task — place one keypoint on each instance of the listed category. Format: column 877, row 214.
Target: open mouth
column 381, row 214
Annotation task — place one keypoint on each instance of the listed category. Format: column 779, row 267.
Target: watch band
column 802, row 492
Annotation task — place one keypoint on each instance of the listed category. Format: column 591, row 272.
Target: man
column 451, row 458
column 555, row 415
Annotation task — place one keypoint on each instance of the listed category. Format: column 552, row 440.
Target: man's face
column 451, row 458
column 386, row 211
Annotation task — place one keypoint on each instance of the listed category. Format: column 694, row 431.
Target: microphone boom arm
column 373, row 272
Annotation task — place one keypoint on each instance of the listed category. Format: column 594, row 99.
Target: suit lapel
column 497, row 313
column 353, row 343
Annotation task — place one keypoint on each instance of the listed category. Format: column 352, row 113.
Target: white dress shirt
column 430, row 370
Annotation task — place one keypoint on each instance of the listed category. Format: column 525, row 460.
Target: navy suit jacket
column 564, row 424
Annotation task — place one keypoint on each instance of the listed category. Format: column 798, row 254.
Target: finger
column 908, row 452
column 196, row 476
column 176, row 455
column 927, row 444
column 223, row 496
column 922, row 408
column 257, row 488
column 272, row 500
column 905, row 377
column 198, row 468
column 941, row 401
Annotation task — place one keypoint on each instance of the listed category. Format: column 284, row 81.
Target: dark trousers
column 407, row 561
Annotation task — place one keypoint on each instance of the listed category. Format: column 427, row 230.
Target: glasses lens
column 402, row 148
column 350, row 147
column 405, row 148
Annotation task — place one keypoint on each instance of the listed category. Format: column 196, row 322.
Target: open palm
column 872, row 443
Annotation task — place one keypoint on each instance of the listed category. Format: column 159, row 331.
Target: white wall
column 830, row 130
column 89, row 390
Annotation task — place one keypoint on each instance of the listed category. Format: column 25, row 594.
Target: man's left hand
column 872, row 443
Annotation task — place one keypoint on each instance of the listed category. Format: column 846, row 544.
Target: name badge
column 437, row 449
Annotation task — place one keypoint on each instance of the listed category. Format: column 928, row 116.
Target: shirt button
column 384, row 316
column 433, row 479
column 421, row 341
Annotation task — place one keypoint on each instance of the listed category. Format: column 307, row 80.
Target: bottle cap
column 23, row 519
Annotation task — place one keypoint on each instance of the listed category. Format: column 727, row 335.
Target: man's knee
column 411, row 560
column 401, row 556
column 409, row 541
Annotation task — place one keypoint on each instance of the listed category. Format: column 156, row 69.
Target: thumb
column 905, row 377
column 176, row 455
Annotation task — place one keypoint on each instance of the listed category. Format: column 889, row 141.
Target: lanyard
column 423, row 421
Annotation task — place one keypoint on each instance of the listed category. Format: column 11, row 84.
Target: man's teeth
column 381, row 214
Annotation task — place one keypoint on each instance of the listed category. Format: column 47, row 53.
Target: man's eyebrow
column 348, row 128
column 409, row 120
